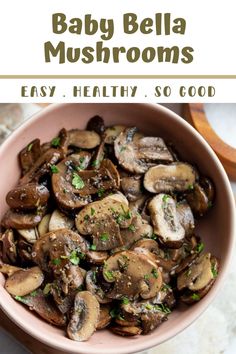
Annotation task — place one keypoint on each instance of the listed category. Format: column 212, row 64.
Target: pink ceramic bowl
column 217, row 229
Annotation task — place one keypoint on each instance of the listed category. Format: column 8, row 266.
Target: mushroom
column 84, row 318
column 61, row 142
column 42, row 166
column 27, row 196
column 176, row 177
column 23, row 282
column 111, row 133
column 133, row 275
column 94, row 287
column 185, row 217
column 24, row 251
column 137, row 155
column 165, row 220
column 44, row 307
column 138, row 229
column 95, row 257
column 8, row 269
column 104, row 317
column 96, row 124
column 8, row 247
column 43, row 226
column 59, row 220
column 66, row 183
column 132, row 187
column 148, row 244
column 126, row 331
column 29, row 155
column 84, row 139
column 17, row 220
column 198, row 275
column 198, row 200
column 115, row 206
column 30, row 235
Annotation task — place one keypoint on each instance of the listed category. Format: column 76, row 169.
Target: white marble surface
column 215, row 331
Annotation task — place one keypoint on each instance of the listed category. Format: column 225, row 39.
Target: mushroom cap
column 85, row 316
column 165, row 220
column 58, row 220
column 29, row 155
column 176, row 177
column 84, row 139
column 16, row 220
column 133, row 275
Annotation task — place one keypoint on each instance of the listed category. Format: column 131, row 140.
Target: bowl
column 216, row 229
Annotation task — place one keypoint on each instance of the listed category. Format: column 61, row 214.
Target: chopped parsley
column 92, row 211
column 56, row 261
column 93, row 247
column 154, row 273
column 47, row 289
column 54, row 169
column 165, row 198
column 104, row 236
column 195, row 297
column 154, row 237
column 148, row 306
column 190, row 187
column 162, row 308
column 21, row 299
column 165, row 287
column 125, row 300
column 109, row 275
column 126, row 215
column 95, row 163
column 214, row 270
column 123, row 148
column 29, row 147
column 74, row 257
column 115, row 313
column 86, row 217
column 56, row 142
column 146, row 276
column 33, row 293
column 200, row 247
column 101, row 192
column 77, row 181
column 132, row 228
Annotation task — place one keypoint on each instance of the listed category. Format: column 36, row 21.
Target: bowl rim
column 149, row 343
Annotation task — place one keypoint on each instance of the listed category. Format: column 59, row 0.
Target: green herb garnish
column 86, row 217
column 104, row 237
column 47, row 289
column 146, row 276
column 29, row 147
column 200, row 247
column 74, row 257
column 54, row 169
column 77, row 181
column 214, row 270
column 109, row 275
column 21, row 299
column 33, row 293
column 148, row 306
column 56, row 261
column 132, row 228
column 195, row 297
column 123, row 148
column 92, row 211
column 101, row 192
column 154, row 273
column 165, row 198
column 190, row 187
column 165, row 287
column 95, row 163
column 125, row 300
column 56, row 142
column 93, row 247
column 162, row 308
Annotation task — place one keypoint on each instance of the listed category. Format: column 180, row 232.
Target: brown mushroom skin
column 24, row 281
column 104, row 316
column 28, row 196
column 29, row 155
column 198, row 201
column 16, row 220
column 126, row 331
column 8, row 247
column 131, row 186
column 97, row 124
column 83, row 139
column 85, row 316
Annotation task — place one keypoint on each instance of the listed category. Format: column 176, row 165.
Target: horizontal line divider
column 117, row 77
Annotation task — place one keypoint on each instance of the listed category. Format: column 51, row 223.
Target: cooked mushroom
column 138, row 229
column 176, row 177
column 8, row 247
column 66, row 183
column 132, row 187
column 165, row 220
column 137, row 155
column 198, row 200
column 84, row 318
column 95, row 257
column 84, row 139
column 30, row 235
column 111, row 133
column 198, row 275
column 133, row 275
column 8, row 269
column 17, row 220
column 96, row 124
column 44, row 307
column 94, row 287
column 24, row 251
column 148, row 244
column 43, row 226
column 185, row 217
column 126, row 331
column 59, row 220
column 29, row 155
column 28, row 196
column 104, row 317
column 24, row 281
column 42, row 166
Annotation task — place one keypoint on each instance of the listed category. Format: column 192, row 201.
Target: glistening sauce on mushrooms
column 101, row 231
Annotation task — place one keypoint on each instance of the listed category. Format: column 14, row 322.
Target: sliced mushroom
column 126, row 331
column 104, row 317
column 113, row 206
column 97, row 258
column 177, row 177
column 133, row 275
column 59, row 220
column 138, row 229
column 43, row 226
column 137, row 155
column 198, row 200
column 30, row 235
column 42, row 166
column 24, row 251
column 84, row 139
column 106, row 234
column 17, row 220
column 94, row 287
column 148, row 244
column 29, row 155
column 165, row 220
column 24, row 281
column 8, row 247
column 66, row 195
column 185, row 217
column 28, row 196
column 8, row 269
column 208, row 187
column 132, row 187
column 84, row 318
column 96, row 124
column 44, row 307
column 111, row 133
